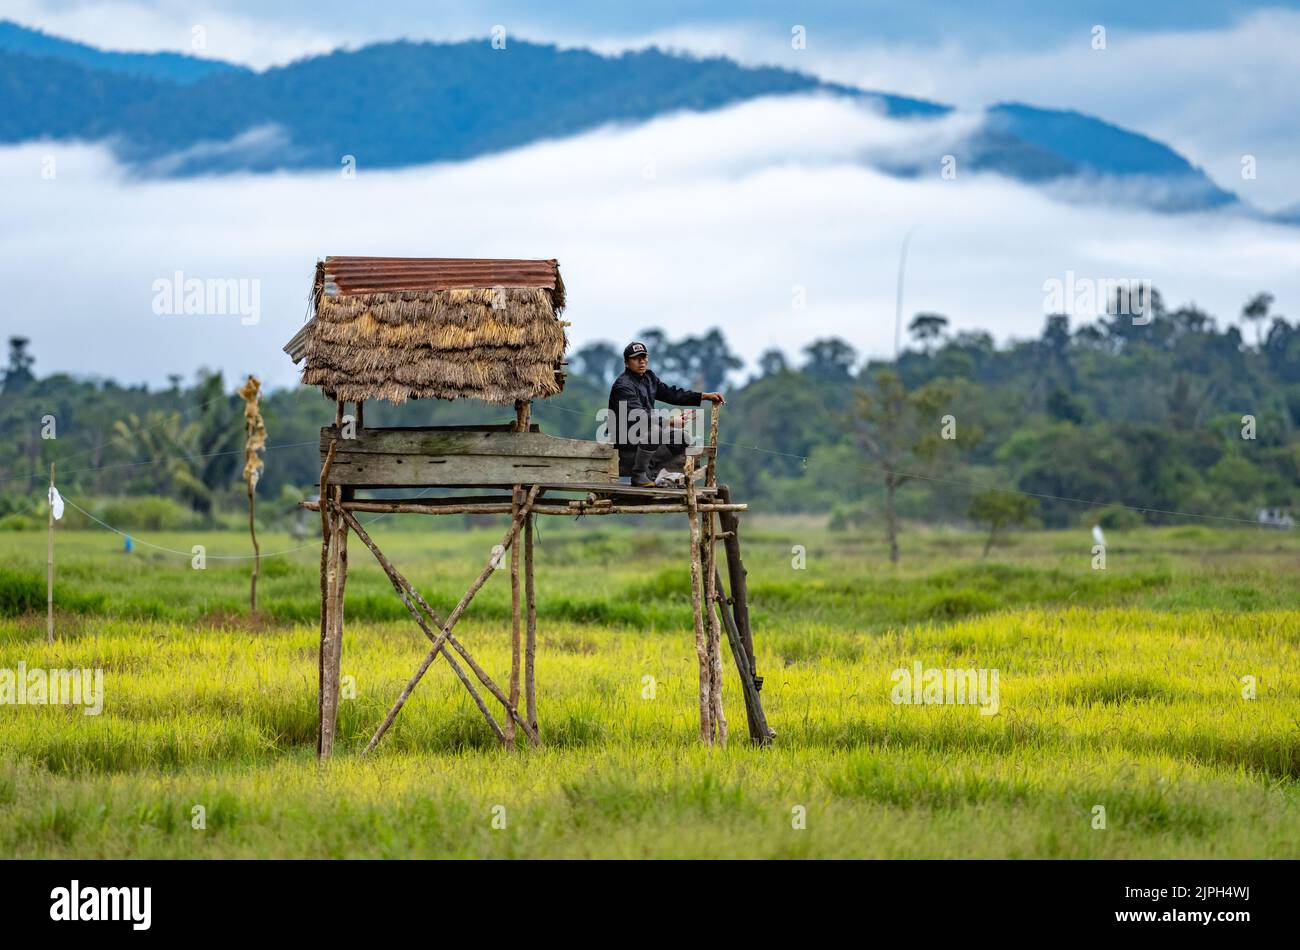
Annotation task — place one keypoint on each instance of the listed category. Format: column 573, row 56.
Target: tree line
column 1107, row 420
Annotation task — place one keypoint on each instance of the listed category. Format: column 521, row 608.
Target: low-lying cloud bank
column 732, row 218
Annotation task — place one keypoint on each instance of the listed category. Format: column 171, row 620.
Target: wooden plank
column 504, row 508
column 611, row 489
column 362, row 470
column 465, row 442
column 605, row 488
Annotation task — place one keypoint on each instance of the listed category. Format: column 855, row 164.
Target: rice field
column 1163, row 690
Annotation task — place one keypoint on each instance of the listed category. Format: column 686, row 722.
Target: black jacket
column 632, row 411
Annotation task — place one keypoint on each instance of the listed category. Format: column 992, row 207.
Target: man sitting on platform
column 644, row 446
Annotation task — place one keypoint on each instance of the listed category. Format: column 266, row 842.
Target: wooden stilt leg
column 736, row 573
column 523, row 409
column 713, row 635
column 324, row 742
column 530, row 648
column 514, row 622
column 339, row 530
column 759, row 731
column 701, row 645
column 329, row 594
column 330, row 653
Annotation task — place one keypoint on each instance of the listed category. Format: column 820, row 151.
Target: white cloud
column 170, row 26
column 688, row 222
column 1214, row 95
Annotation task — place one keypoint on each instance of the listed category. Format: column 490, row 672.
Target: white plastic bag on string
column 56, row 503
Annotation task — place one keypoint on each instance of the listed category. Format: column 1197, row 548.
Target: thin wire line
column 159, row 547
column 155, row 461
column 183, row 414
column 215, row 557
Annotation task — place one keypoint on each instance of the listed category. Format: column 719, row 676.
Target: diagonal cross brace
column 452, row 618
column 411, row 598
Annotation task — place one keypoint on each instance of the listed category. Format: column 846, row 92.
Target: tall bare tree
column 907, row 434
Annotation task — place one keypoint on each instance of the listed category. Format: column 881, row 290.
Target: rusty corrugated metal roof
column 347, row 276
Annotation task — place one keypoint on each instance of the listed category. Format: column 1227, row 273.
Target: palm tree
column 173, row 447
column 1256, row 311
column 927, row 327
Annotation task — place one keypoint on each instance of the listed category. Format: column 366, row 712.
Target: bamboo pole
column 713, row 635
column 505, row 508
column 49, row 568
column 737, row 574
column 405, row 589
column 530, row 649
column 321, row 751
column 514, row 619
column 451, row 622
column 421, row 503
column 331, row 648
column 759, row 731
column 701, row 646
column 523, row 410
column 257, row 550
column 711, row 471
column 340, row 586
column 710, row 583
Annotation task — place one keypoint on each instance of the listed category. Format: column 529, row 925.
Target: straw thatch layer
column 499, row 345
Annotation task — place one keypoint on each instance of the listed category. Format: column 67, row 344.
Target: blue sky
column 991, row 22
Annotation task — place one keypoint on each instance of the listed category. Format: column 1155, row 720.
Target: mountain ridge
column 408, row 103
column 175, row 67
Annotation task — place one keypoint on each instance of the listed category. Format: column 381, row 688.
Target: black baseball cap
column 634, row 349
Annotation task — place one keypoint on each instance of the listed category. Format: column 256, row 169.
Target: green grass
column 1120, row 688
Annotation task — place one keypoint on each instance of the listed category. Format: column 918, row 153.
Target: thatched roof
column 401, row 328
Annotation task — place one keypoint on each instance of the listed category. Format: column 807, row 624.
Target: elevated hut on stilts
column 448, row 328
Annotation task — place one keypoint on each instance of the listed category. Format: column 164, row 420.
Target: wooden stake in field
column 255, row 442
column 49, row 567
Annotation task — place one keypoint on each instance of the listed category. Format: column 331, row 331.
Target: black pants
column 651, row 458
